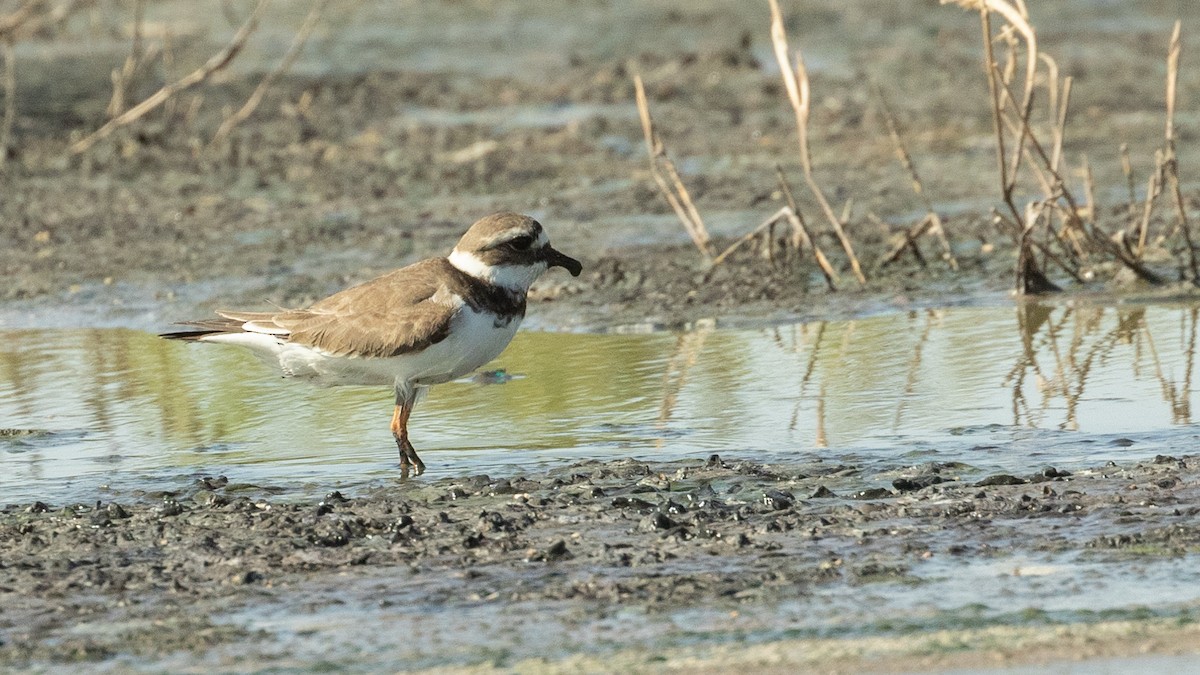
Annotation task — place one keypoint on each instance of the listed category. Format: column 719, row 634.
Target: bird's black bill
column 556, row 259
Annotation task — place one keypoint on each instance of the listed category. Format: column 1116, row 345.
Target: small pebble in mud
column 778, row 500
column 918, row 483
column 823, row 492
column 673, row 507
column 556, row 551
column 656, row 521
column 872, row 493
column 1001, row 479
column 170, row 507
column 209, row 483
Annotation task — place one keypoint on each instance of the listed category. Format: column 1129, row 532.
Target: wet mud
column 145, row 576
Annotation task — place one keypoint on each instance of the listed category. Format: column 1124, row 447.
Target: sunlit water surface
column 1012, row 388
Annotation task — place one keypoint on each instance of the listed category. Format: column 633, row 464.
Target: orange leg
column 408, row 454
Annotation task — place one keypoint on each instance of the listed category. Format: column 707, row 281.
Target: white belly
column 474, row 340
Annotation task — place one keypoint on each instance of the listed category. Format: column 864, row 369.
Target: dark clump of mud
column 153, row 574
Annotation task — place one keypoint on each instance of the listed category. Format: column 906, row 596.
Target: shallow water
column 1011, row 388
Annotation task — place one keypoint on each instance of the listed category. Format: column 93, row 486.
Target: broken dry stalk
column 779, row 215
column 935, row 221
column 218, row 62
column 800, row 230
column 1170, row 162
column 674, row 192
column 795, row 80
column 908, row 241
column 1153, row 189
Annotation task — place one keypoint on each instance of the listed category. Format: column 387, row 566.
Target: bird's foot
column 409, row 461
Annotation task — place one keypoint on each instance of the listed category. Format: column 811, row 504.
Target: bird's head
column 509, row 250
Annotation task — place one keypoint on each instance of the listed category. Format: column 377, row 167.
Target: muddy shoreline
column 145, row 577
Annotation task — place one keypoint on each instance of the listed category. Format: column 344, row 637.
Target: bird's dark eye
column 521, row 243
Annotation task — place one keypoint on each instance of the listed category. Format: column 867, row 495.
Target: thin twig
column 285, row 64
column 800, row 229
column 781, row 214
column 795, row 80
column 196, row 77
column 1127, row 168
column 935, row 221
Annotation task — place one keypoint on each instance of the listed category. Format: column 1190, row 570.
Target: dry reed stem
column 1153, row 189
column 1028, row 277
column 1060, row 126
column 1170, row 159
column 196, row 77
column 1175, row 47
column 801, row 237
column 795, row 81
column 1017, row 22
column 1073, row 210
column 1089, row 194
column 997, row 111
column 675, row 192
column 800, row 229
column 935, row 221
column 285, row 64
column 10, row 97
column 1127, row 168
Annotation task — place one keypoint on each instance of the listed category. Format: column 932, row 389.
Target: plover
column 431, row 322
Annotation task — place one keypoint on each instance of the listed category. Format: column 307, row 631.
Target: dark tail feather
column 189, row 335
column 202, row 328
